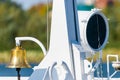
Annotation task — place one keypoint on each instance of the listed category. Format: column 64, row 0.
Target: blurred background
column 32, row 17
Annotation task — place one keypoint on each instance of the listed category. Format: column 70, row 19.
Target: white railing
column 108, row 66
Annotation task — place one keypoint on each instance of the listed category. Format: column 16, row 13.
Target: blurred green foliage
column 112, row 12
column 16, row 22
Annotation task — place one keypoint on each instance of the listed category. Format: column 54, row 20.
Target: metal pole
column 18, row 72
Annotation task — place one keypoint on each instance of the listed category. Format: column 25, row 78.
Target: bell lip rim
column 17, row 67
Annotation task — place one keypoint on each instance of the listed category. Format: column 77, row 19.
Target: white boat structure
column 75, row 36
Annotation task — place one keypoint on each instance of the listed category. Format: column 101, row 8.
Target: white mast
column 64, row 31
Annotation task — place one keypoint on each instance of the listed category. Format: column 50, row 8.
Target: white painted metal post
column 64, row 31
column 79, row 57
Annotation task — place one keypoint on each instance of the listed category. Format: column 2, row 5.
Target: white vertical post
column 64, row 29
column 78, row 62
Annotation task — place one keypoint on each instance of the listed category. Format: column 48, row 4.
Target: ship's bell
column 18, row 58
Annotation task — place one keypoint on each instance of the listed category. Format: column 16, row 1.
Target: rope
column 98, row 32
column 99, row 70
column 47, row 24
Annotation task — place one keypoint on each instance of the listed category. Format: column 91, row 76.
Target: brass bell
column 18, row 58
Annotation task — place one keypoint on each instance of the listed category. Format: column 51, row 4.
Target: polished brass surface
column 18, row 58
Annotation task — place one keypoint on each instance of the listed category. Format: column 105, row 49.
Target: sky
column 26, row 4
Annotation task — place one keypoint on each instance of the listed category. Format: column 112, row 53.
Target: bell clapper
column 18, row 72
